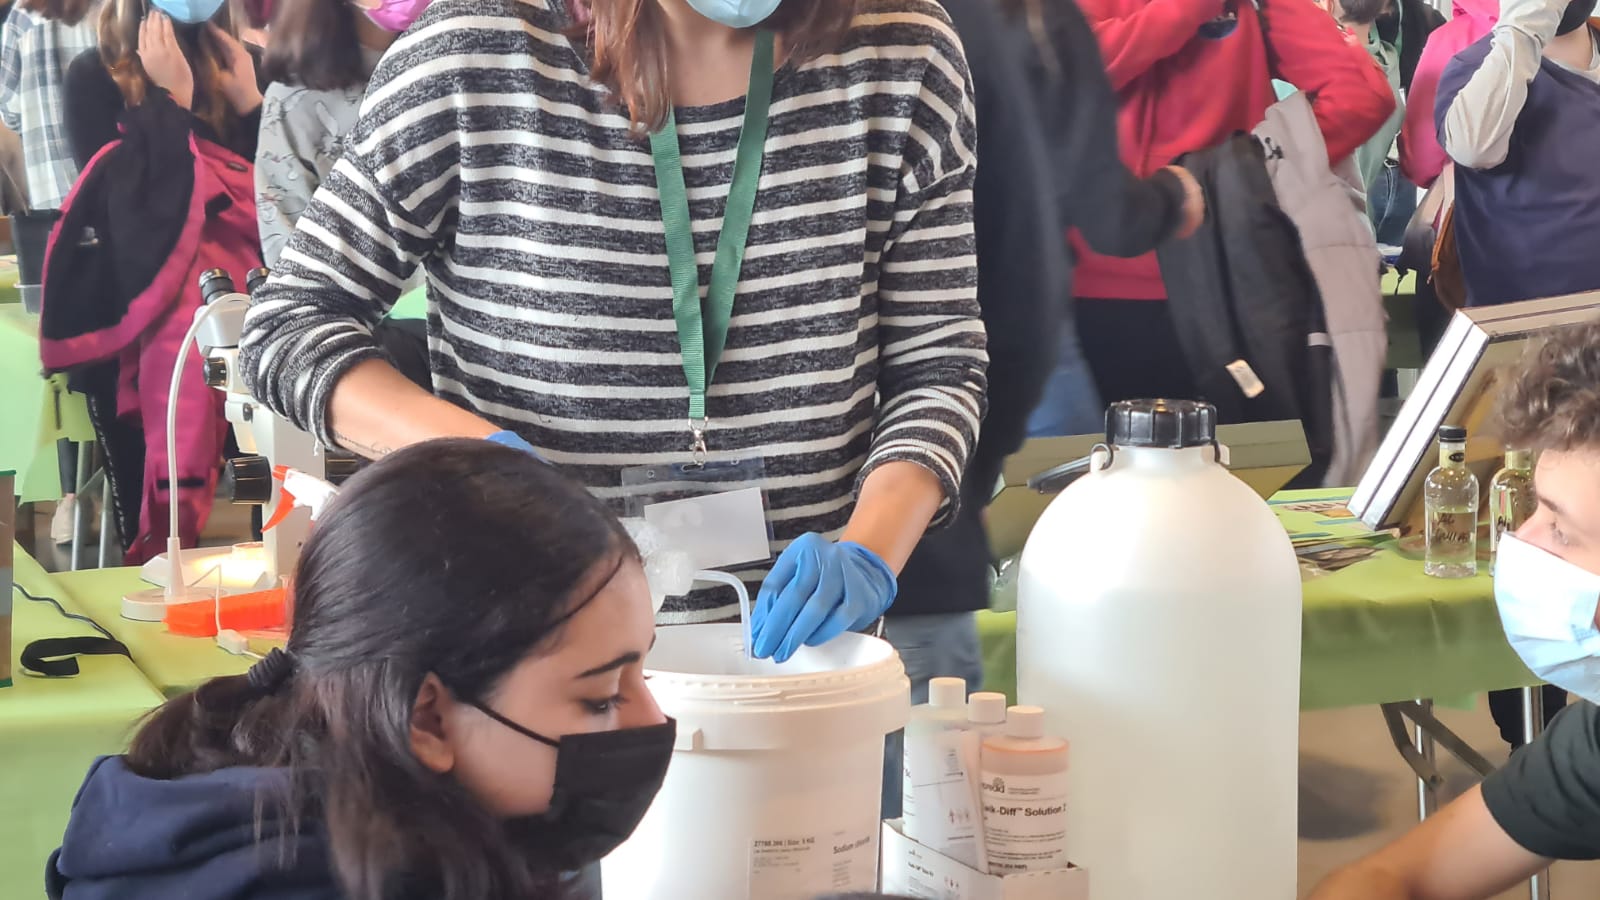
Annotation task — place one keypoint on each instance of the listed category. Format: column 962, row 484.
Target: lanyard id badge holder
column 713, row 510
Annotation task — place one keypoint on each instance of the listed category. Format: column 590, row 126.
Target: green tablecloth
column 8, row 280
column 50, row 731
column 34, row 411
column 173, row 664
column 1376, row 632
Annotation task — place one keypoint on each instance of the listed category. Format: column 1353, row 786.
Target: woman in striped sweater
column 508, row 149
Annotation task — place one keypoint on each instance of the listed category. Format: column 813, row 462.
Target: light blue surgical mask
column 736, row 13
column 1547, row 606
column 190, row 12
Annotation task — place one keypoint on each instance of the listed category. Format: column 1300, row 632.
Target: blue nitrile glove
column 817, row 591
column 516, row 442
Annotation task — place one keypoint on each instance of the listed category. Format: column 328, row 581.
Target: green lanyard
column 703, row 329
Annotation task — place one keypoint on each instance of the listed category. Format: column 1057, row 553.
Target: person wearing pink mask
column 319, row 59
column 1421, row 158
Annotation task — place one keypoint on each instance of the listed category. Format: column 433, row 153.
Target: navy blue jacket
column 135, row 838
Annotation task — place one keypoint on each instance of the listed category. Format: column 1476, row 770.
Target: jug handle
column 1055, row 480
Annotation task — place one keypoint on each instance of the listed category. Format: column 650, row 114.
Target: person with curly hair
column 1544, row 805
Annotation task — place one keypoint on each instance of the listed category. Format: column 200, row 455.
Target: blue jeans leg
column 1071, row 402
column 936, row 646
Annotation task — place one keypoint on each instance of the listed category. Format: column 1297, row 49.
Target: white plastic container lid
column 947, row 692
column 986, row 708
column 1026, row 722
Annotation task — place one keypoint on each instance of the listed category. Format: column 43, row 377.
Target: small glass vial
column 1451, row 498
column 1512, row 501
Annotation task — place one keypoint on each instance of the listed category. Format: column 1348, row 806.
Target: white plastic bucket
column 774, row 789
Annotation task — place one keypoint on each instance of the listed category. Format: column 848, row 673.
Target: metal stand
column 91, row 477
column 1418, row 749
column 105, row 518
column 85, row 451
column 1532, row 726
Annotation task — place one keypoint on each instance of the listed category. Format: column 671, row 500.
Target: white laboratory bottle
column 1025, row 796
column 938, row 793
column 1159, row 627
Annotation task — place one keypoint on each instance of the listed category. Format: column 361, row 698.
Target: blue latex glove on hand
column 817, row 591
column 516, row 442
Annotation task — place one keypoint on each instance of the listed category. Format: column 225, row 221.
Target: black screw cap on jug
column 1452, row 434
column 1167, row 424
column 214, row 283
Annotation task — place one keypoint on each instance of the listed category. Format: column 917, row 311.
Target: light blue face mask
column 736, row 13
column 1547, row 606
column 189, row 12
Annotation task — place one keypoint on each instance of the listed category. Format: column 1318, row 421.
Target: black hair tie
column 271, row 671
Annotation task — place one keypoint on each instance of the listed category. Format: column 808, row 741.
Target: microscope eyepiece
column 215, row 283
column 255, row 279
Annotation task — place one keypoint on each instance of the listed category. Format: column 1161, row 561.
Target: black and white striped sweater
column 485, row 153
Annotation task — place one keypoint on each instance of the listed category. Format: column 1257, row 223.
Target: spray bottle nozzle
column 299, row 490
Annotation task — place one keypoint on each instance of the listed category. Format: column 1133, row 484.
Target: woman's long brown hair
column 119, row 51
column 628, row 47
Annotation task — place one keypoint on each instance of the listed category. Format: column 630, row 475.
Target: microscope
column 266, row 441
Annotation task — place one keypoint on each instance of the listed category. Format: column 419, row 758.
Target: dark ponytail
column 454, row 558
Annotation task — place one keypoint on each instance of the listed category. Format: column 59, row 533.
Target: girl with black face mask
column 460, row 713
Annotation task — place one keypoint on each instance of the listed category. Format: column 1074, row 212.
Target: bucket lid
column 852, row 688
column 1165, row 424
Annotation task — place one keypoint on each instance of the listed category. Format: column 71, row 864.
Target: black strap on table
column 58, row 657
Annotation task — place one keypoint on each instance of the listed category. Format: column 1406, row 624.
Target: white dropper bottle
column 986, row 713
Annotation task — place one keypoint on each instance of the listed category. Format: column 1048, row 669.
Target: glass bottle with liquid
column 1451, row 498
column 1512, row 501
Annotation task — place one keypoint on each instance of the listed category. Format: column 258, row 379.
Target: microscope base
column 151, row 605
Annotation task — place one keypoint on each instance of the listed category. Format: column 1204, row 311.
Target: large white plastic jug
column 1158, row 623
column 775, row 786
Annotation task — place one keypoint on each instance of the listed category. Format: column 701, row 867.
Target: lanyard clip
column 697, row 430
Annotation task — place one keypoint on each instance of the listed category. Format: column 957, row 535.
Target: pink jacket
column 1421, row 157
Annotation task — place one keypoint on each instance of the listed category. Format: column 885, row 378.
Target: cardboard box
column 1264, row 455
column 912, row 870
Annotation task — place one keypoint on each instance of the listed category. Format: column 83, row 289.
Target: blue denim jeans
column 1071, row 402
column 1390, row 202
column 936, row 646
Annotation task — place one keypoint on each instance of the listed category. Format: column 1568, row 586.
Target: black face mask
column 605, row 783
column 1576, row 16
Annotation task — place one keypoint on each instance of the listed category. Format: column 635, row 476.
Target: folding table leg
column 1532, row 726
column 1427, row 799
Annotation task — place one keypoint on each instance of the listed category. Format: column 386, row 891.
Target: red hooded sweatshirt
column 1179, row 92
